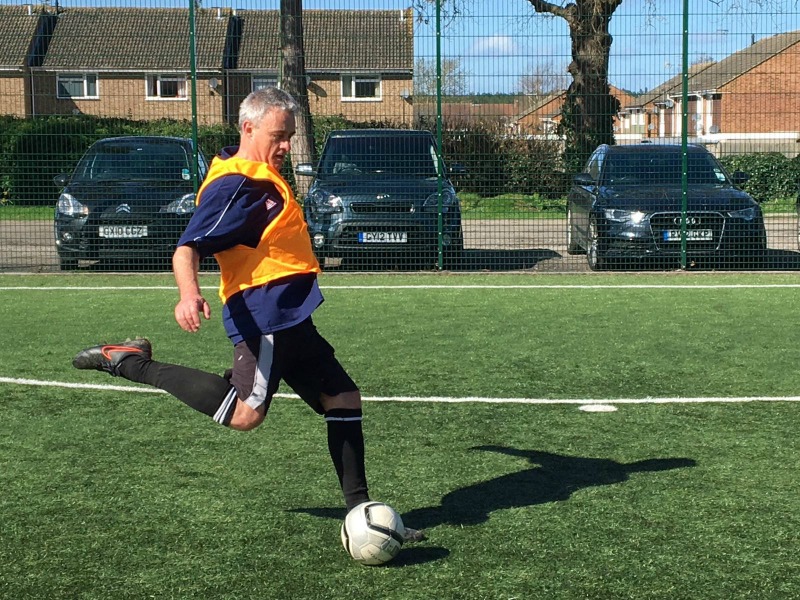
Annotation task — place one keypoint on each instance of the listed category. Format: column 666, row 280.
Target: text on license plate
column 385, row 237
column 123, row 231
column 674, row 235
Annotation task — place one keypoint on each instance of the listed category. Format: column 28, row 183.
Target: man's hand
column 185, row 265
column 188, row 310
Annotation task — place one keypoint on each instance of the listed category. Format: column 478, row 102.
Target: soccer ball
column 372, row 533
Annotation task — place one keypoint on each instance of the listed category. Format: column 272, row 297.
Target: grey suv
column 380, row 193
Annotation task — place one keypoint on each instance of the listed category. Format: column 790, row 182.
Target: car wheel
column 67, row 263
column 595, row 250
column 572, row 244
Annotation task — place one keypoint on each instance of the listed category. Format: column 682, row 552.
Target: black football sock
column 346, row 445
column 205, row 392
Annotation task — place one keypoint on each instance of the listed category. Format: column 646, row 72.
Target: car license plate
column 698, row 235
column 383, row 237
column 123, row 231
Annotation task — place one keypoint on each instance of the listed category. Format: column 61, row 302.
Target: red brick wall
column 14, row 94
column 124, row 96
column 765, row 99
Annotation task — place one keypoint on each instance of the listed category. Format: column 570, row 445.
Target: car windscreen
column 135, row 161
column 413, row 156
column 661, row 168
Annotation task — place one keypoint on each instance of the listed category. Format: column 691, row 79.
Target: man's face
column 269, row 141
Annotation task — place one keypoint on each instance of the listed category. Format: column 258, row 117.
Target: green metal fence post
column 440, row 220
column 684, row 131
column 193, row 71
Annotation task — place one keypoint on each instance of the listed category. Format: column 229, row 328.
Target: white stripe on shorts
column 266, row 351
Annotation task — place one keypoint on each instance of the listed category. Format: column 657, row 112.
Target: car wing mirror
column 458, row 169
column 305, row 169
column 61, row 179
column 584, row 179
column 740, row 177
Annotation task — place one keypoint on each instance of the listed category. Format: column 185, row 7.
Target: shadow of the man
column 555, row 477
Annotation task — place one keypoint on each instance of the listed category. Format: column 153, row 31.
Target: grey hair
column 260, row 102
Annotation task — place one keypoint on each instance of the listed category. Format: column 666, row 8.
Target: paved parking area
column 490, row 245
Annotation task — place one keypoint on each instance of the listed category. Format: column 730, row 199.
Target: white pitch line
column 721, row 286
column 438, row 399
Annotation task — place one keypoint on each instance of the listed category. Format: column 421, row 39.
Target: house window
column 259, row 83
column 355, row 87
column 76, row 85
column 166, row 87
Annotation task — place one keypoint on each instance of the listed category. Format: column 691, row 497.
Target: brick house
column 544, row 114
column 131, row 63
column 360, row 64
column 23, row 36
column 458, row 115
column 749, row 101
column 135, row 63
column 653, row 114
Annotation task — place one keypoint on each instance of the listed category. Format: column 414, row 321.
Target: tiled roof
column 621, row 95
column 743, row 61
column 136, row 39
column 712, row 76
column 17, row 29
column 334, row 40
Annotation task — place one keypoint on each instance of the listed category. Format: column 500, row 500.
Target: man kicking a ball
column 247, row 217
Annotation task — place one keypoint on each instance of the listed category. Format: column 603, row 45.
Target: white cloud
column 496, row 45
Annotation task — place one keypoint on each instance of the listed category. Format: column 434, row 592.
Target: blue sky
column 496, row 42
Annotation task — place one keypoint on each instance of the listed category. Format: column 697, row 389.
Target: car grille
column 660, row 223
column 382, row 207
column 126, row 219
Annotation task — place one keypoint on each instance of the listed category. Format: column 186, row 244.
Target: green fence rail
column 559, row 139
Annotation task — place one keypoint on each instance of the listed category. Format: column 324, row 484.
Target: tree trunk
column 293, row 81
column 589, row 108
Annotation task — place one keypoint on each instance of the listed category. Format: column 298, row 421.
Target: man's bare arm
column 185, row 267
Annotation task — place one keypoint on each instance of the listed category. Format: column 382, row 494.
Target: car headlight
column 625, row 216
column 432, row 202
column 68, row 206
column 747, row 214
column 324, row 202
column 182, row 206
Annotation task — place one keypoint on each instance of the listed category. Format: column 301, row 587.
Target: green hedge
column 33, row 151
column 773, row 177
column 498, row 164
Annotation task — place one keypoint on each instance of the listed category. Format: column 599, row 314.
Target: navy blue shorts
column 299, row 355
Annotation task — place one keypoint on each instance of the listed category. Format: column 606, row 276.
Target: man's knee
column 347, row 400
column 245, row 418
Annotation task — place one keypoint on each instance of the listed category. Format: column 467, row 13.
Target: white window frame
column 84, row 80
column 155, row 81
column 348, row 95
column 267, row 80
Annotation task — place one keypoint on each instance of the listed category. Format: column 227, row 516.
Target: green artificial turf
column 124, row 494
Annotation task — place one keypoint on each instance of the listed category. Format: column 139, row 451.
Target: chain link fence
column 463, row 135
